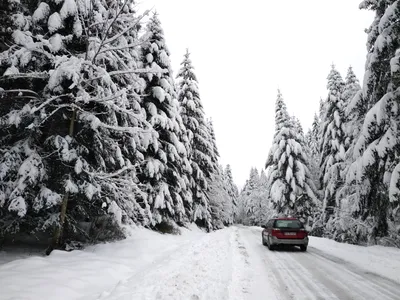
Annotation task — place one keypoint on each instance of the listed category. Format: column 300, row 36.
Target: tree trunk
column 56, row 241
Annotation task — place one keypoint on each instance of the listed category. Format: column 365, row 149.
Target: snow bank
column 85, row 274
column 148, row 265
column 383, row 261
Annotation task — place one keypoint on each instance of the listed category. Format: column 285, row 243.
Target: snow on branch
column 35, row 109
column 105, row 41
column 103, row 176
column 130, row 71
column 122, row 47
column 96, row 122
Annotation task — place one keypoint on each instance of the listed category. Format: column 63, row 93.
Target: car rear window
column 295, row 224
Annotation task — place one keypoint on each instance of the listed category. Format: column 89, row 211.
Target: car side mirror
column 263, row 226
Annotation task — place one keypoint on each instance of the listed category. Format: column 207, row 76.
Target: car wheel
column 303, row 248
column 270, row 247
column 263, row 241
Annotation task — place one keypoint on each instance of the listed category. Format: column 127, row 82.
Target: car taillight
column 303, row 233
column 275, row 232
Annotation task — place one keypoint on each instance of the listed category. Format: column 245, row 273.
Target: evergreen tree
column 312, row 137
column 265, row 212
column 297, row 126
column 332, row 145
column 166, row 167
column 292, row 190
column 252, row 202
column 79, row 127
column 351, row 88
column 249, row 205
column 347, row 227
column 202, row 149
column 219, row 202
column 219, row 193
column 215, row 152
column 312, row 141
column 232, row 190
column 376, row 152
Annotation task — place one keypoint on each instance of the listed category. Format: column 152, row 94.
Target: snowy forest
column 342, row 176
column 96, row 133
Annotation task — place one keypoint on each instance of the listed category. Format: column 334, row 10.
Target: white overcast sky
column 243, row 51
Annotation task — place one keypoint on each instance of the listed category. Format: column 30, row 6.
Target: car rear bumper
column 276, row 241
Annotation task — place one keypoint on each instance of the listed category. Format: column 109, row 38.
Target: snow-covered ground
column 229, row 264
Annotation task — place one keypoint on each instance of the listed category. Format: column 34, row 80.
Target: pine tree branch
column 122, row 47
column 91, row 118
column 42, row 75
column 20, row 91
column 137, row 71
column 131, row 71
column 110, row 40
column 103, row 176
column 35, row 109
column 104, row 41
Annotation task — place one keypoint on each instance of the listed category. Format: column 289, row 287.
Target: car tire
column 270, row 247
column 263, row 241
column 303, row 248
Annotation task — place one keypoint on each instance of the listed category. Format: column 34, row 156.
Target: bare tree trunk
column 63, row 212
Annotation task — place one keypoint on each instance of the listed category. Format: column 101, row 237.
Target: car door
column 265, row 230
column 269, row 227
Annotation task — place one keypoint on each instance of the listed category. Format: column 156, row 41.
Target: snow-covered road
column 317, row 275
column 229, row 264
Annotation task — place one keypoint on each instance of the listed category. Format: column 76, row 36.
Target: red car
column 284, row 231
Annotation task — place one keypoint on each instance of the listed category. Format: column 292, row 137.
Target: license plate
column 290, row 233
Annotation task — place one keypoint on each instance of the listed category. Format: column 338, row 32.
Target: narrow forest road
column 229, row 264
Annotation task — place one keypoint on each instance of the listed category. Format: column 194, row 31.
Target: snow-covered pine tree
column 217, row 196
column 241, row 208
column 346, row 225
column 252, row 202
column 351, row 88
column 201, row 152
column 377, row 151
column 292, row 190
column 297, row 126
column 312, row 137
column 312, row 146
column 247, row 202
column 166, row 166
column 81, row 130
column 218, row 193
column 332, row 148
column 322, row 108
column 214, row 155
column 232, row 190
column 264, row 212
column 222, row 207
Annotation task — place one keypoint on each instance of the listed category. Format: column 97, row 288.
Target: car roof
column 283, row 218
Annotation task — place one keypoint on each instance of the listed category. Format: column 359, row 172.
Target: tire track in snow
column 158, row 261
column 312, row 288
column 370, row 286
column 202, row 271
column 385, row 283
column 240, row 271
column 317, row 275
column 261, row 283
